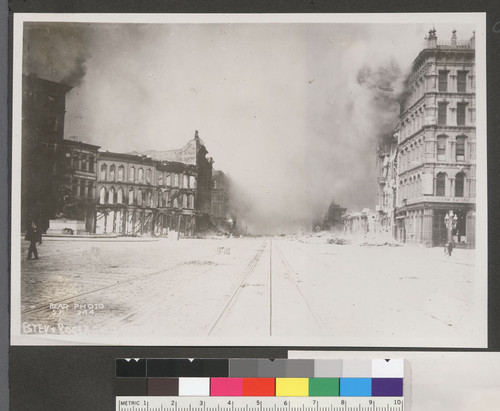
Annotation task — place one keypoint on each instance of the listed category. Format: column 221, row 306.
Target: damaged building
column 69, row 186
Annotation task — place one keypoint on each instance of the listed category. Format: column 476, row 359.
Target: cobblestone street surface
column 250, row 291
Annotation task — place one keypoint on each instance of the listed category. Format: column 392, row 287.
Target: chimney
column 432, row 39
column 454, row 38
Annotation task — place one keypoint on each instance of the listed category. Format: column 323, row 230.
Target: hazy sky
column 279, row 106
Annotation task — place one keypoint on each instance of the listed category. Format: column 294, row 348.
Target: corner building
column 437, row 145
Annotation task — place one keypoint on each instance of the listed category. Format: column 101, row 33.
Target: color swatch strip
column 259, row 387
column 259, row 377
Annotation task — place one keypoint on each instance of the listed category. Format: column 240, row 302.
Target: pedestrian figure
column 33, row 235
column 450, row 247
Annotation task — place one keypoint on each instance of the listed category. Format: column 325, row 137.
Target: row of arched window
column 119, row 174
column 441, row 179
column 145, row 198
column 412, row 187
column 167, row 179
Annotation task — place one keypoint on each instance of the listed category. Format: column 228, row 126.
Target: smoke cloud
column 56, row 51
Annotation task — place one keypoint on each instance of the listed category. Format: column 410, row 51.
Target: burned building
column 387, row 177
column 333, row 217
column 194, row 154
column 43, row 110
column 141, row 196
column 437, row 145
column 222, row 215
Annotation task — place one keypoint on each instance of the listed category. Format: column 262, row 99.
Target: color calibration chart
column 259, row 385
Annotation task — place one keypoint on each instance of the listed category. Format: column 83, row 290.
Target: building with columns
column 436, row 154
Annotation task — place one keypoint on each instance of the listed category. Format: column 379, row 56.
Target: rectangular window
column 443, row 80
column 441, row 148
column 461, row 114
column 442, row 112
column 460, row 149
column 461, row 81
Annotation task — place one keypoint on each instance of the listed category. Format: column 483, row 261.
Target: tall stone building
column 437, row 144
column 43, row 110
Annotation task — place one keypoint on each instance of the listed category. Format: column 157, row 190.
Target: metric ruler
column 259, row 404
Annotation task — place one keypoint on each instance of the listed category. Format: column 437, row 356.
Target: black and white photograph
column 224, row 179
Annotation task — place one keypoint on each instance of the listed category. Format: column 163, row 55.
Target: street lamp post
column 450, row 220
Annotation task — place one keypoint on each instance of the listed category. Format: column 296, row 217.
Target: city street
column 252, row 290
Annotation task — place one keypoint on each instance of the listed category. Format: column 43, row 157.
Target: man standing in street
column 33, row 235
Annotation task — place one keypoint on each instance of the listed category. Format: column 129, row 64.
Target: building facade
column 137, row 195
column 436, row 154
column 77, row 193
column 387, row 178
column 43, row 111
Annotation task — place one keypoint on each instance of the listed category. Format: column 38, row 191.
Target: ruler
column 142, row 403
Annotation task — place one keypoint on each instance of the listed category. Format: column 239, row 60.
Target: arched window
column 121, row 172
column 160, row 199
column 160, row 179
column 441, row 147
column 185, row 181
column 149, row 197
column 140, row 175
column 119, row 196
column 459, row 184
column 191, row 201
column 104, row 169
column 185, row 201
column 165, row 199
column 148, row 176
column 176, row 203
column 168, row 180
column 176, row 180
column 460, row 148
column 130, row 197
column 139, row 197
column 102, row 196
column 441, row 185
column 111, row 196
column 192, row 182
column 112, row 172
column 131, row 174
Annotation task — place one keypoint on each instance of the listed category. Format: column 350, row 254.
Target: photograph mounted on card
column 266, row 179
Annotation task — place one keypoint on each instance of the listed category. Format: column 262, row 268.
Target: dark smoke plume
column 56, row 51
column 386, row 86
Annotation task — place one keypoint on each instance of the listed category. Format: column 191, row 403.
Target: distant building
column 222, row 215
column 387, row 178
column 43, row 110
column 437, row 144
column 359, row 222
column 333, row 217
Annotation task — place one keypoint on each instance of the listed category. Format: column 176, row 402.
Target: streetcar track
column 289, row 270
column 43, row 306
column 249, row 269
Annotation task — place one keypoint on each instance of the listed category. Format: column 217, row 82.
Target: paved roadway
column 255, row 291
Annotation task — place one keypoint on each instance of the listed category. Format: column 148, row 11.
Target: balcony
column 439, row 199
